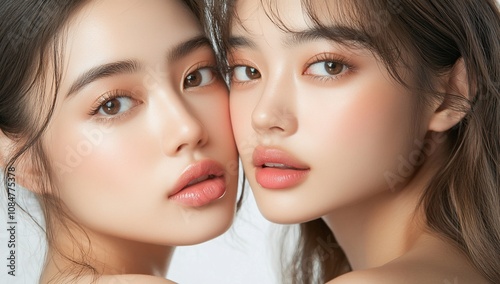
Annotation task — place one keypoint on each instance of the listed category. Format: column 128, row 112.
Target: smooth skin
column 335, row 111
column 118, row 143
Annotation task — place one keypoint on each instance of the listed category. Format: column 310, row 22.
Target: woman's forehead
column 295, row 14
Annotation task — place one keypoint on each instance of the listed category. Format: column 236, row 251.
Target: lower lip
column 202, row 193
column 274, row 178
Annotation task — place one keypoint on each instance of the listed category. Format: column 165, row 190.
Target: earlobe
column 25, row 176
column 455, row 104
column 5, row 149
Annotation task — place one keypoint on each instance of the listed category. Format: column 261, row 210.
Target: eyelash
column 329, row 57
column 323, row 57
column 200, row 66
column 115, row 94
column 236, row 64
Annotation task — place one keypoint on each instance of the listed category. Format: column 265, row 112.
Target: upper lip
column 263, row 155
column 198, row 172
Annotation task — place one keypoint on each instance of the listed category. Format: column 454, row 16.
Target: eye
column 113, row 104
column 326, row 69
column 199, row 78
column 116, row 106
column 244, row 74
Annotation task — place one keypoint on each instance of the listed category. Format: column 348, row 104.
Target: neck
column 383, row 227
column 108, row 256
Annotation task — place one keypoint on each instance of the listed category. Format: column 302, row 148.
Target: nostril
column 199, row 143
column 180, row 147
column 277, row 128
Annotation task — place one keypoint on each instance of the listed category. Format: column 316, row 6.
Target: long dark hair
column 426, row 38
column 31, row 36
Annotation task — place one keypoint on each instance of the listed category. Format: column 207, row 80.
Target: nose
column 276, row 110
column 184, row 131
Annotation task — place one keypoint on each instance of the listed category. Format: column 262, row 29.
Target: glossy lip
column 201, row 183
column 292, row 173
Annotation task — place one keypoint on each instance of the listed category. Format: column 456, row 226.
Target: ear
column 6, row 146
column 22, row 169
column 450, row 110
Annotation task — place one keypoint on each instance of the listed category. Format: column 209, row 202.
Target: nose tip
column 186, row 133
column 193, row 135
column 273, row 118
column 194, row 138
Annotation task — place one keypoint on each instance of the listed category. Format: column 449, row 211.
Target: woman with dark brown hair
column 113, row 114
column 376, row 126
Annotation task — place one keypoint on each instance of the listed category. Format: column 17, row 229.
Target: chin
column 203, row 224
column 288, row 207
column 283, row 215
column 205, row 232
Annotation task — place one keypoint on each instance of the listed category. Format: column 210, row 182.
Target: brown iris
column 193, row 79
column 252, row 73
column 333, row 68
column 112, row 107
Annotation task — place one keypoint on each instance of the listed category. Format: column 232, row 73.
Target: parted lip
column 266, row 156
column 197, row 172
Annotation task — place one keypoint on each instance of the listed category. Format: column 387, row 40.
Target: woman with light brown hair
column 375, row 125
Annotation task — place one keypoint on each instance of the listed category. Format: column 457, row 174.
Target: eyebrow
column 337, row 33
column 130, row 66
column 185, row 48
column 240, row 42
column 102, row 71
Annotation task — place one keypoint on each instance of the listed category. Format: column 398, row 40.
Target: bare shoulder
column 411, row 272
column 381, row 275
column 432, row 261
column 358, row 277
column 109, row 279
column 133, row 279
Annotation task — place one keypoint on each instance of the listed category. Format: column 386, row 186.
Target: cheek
column 97, row 151
column 96, row 165
column 361, row 136
column 368, row 125
column 214, row 114
column 120, row 187
column 241, row 118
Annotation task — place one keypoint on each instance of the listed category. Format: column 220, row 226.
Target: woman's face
column 319, row 125
column 140, row 141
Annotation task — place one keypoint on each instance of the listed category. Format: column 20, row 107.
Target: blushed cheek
column 363, row 137
column 92, row 154
column 215, row 117
column 241, row 120
column 366, row 123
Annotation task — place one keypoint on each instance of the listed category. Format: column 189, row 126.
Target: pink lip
column 200, row 184
column 290, row 174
